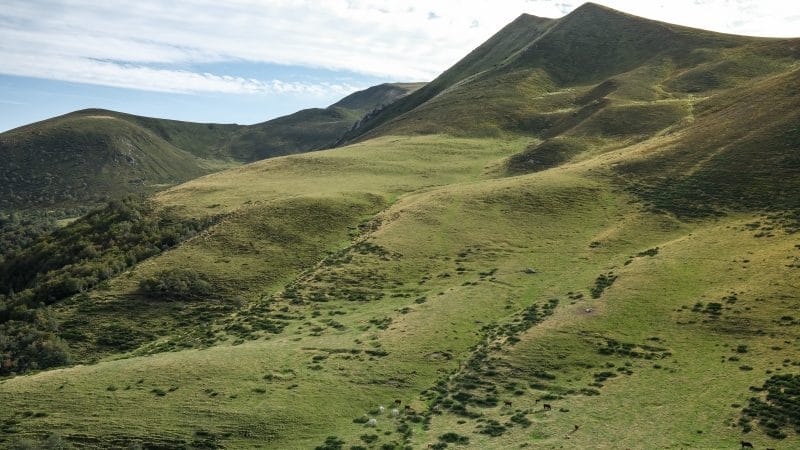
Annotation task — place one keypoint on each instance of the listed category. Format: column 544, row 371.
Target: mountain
column 93, row 155
column 583, row 235
column 537, row 71
column 313, row 129
column 86, row 157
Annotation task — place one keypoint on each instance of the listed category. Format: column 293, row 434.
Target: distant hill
column 312, row 129
column 93, row 155
column 87, row 157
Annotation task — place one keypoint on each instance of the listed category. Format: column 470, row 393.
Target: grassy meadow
column 388, row 267
column 577, row 237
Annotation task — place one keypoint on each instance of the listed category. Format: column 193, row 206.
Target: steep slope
column 92, row 155
column 742, row 150
column 505, row 43
column 556, row 74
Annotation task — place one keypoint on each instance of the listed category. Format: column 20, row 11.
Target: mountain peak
column 591, row 10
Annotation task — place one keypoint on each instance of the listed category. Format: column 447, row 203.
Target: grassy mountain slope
column 497, row 49
column 562, row 72
column 721, row 160
column 91, row 155
column 85, row 158
column 598, row 260
column 403, row 308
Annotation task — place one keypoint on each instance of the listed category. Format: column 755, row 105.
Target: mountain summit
column 535, row 56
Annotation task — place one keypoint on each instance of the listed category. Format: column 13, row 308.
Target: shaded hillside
column 741, row 151
column 89, row 156
column 85, row 158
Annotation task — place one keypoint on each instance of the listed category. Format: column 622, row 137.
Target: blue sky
column 247, row 61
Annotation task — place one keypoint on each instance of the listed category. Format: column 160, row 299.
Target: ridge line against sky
column 285, row 54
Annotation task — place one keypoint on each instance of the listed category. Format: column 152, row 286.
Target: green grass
column 344, row 365
column 638, row 277
column 90, row 156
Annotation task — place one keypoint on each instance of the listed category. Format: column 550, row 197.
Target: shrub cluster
column 601, row 283
column 181, row 284
column 70, row 260
column 779, row 410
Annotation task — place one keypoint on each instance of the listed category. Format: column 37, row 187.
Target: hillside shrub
column 778, row 410
column 181, row 284
column 493, row 428
column 31, row 344
column 331, row 443
column 601, row 283
column 454, row 438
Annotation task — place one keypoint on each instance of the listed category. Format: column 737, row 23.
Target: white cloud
column 144, row 44
column 84, row 70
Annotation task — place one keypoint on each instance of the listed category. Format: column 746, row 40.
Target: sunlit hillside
column 582, row 235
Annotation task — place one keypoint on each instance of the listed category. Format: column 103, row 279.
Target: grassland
column 525, row 257
column 448, row 250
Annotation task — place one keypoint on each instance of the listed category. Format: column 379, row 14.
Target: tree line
column 72, row 259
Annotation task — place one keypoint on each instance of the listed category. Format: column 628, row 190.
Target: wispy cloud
column 149, row 44
column 135, row 76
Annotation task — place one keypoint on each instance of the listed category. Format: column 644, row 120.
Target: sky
column 246, row 61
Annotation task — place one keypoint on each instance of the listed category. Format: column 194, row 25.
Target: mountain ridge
column 144, row 154
column 590, row 45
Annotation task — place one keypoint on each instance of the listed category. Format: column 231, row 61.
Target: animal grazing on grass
column 395, row 412
column 372, row 423
column 398, row 402
column 546, row 407
column 576, row 428
column 508, row 402
column 381, row 409
column 746, row 444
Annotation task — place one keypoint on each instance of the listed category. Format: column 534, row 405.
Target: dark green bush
column 454, row 438
column 493, row 428
column 180, row 284
column 331, row 443
column 369, row 438
column 32, row 345
column 601, row 283
column 778, row 411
